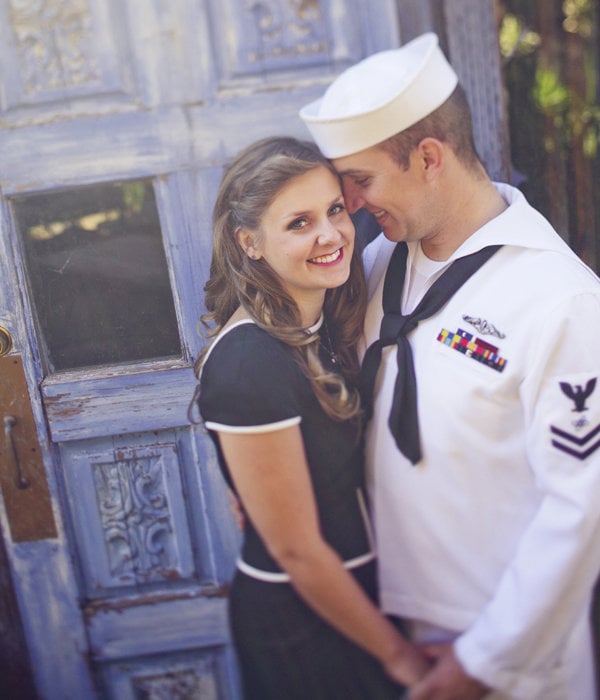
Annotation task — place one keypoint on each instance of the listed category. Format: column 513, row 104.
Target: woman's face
column 307, row 237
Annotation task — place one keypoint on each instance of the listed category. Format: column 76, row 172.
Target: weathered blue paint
column 160, row 627
column 95, row 404
column 48, row 598
column 130, row 595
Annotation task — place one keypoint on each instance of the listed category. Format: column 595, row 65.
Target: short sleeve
column 250, row 383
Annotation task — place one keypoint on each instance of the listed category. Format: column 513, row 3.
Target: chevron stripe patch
column 581, row 404
column 574, row 445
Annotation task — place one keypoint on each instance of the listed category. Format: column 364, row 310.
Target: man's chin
column 392, row 234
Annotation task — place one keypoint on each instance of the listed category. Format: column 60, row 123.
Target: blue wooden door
column 116, row 117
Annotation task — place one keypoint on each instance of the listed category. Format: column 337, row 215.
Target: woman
column 277, row 394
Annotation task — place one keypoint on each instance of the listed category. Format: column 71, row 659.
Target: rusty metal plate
column 22, row 476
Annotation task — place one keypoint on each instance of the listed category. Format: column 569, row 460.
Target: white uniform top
column 496, row 532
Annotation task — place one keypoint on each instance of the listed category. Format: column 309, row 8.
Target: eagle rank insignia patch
column 578, row 431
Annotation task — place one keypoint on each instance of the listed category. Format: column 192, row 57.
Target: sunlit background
column 552, row 79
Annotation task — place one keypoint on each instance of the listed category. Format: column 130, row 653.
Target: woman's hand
column 447, row 679
column 272, row 478
column 407, row 665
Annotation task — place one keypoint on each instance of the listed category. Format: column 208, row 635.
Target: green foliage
column 549, row 92
column 134, row 194
column 576, row 116
column 579, row 17
column 515, row 38
column 551, row 55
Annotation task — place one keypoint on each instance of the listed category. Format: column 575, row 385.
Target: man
column 483, row 451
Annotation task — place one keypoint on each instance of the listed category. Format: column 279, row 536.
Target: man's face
column 394, row 196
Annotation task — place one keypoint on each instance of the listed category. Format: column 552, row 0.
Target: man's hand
column 447, row 679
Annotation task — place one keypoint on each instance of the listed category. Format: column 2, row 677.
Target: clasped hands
column 446, row 679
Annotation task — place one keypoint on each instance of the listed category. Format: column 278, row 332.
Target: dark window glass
column 98, row 274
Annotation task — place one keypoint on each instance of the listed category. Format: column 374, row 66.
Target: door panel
column 122, row 400
column 128, row 511
column 201, row 677
column 65, row 57
column 106, row 100
column 82, row 151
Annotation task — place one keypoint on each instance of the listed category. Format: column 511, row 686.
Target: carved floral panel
column 194, row 675
column 54, row 42
column 58, row 49
column 130, row 515
column 281, row 41
column 290, row 30
column 259, row 38
column 185, row 684
column 136, row 522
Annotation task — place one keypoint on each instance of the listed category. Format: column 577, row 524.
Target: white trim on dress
column 282, row 577
column 253, row 429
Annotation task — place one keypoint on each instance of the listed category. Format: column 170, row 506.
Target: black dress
column 251, row 382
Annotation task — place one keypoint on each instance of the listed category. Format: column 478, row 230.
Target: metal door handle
column 9, row 424
column 5, row 341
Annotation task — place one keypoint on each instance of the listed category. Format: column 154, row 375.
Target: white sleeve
column 522, row 632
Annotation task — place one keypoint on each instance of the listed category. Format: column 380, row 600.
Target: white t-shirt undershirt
column 423, row 273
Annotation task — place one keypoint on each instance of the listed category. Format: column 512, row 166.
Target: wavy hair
column 250, row 184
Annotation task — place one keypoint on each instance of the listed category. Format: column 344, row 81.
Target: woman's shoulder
column 250, row 378
column 246, row 345
column 246, row 359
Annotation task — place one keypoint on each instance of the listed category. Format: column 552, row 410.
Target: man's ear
column 431, row 154
column 246, row 240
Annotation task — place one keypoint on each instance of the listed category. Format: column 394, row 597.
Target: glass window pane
column 98, row 274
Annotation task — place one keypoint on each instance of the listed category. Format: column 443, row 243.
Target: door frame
column 60, row 662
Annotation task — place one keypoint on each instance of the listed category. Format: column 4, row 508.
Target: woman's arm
column 272, row 479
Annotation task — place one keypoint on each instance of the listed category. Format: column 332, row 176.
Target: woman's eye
column 336, row 209
column 298, row 223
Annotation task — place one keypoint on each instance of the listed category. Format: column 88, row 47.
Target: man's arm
column 517, row 640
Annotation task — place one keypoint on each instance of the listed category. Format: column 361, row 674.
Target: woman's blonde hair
column 249, row 185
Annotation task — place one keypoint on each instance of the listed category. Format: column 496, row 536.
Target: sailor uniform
column 495, row 532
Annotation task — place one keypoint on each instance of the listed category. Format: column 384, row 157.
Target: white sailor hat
column 380, row 96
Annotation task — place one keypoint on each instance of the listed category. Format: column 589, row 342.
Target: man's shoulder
column 556, row 272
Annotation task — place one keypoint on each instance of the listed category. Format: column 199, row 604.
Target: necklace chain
column 328, row 345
